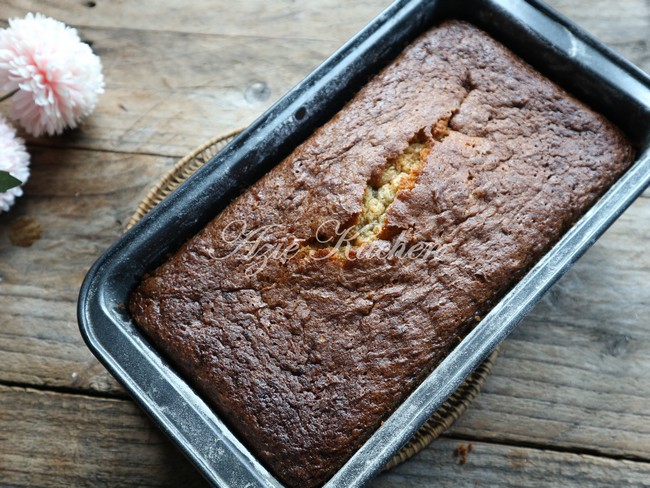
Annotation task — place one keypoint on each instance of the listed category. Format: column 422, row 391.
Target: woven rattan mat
column 448, row 412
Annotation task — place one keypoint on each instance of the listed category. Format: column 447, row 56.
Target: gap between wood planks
column 81, row 27
column 33, row 145
column 66, row 390
column 546, row 447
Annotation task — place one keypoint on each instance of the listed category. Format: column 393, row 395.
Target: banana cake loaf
column 310, row 307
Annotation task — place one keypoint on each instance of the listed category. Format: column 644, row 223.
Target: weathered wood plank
column 109, row 442
column 82, row 201
column 575, row 372
column 510, row 466
column 285, row 19
column 60, row 440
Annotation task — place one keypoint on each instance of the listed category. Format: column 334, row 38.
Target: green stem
column 9, row 95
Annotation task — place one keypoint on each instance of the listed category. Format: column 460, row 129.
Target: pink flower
column 57, row 76
column 14, row 160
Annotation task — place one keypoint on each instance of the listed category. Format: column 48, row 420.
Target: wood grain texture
column 82, row 200
column 279, row 19
column 489, row 465
column 569, row 397
column 61, row 440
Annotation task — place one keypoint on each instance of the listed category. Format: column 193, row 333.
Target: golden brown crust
column 304, row 353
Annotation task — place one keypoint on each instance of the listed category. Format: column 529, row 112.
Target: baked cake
column 309, row 309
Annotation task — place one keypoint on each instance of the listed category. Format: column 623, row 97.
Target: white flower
column 14, row 160
column 57, row 76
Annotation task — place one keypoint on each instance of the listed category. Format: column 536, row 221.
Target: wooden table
column 568, row 403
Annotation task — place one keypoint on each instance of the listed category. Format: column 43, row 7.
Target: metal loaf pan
column 552, row 44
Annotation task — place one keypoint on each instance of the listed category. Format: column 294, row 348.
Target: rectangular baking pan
column 552, row 44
